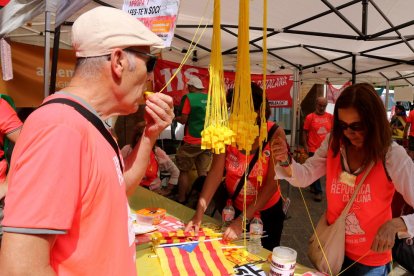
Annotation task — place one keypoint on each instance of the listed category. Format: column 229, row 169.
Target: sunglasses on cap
column 355, row 126
column 150, row 63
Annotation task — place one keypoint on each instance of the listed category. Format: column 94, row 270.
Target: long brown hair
column 377, row 133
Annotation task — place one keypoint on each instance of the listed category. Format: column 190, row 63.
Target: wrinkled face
column 136, row 79
column 351, row 125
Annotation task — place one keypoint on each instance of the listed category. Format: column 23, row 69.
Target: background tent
column 369, row 40
column 316, row 40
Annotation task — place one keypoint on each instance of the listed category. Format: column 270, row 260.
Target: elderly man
column 66, row 209
column 315, row 128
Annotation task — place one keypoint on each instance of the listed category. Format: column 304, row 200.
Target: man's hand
column 159, row 114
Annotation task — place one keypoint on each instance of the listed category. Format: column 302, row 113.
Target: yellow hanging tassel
column 263, row 120
column 243, row 117
column 216, row 134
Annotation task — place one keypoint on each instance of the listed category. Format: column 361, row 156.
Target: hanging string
column 192, row 46
column 263, row 120
column 216, row 134
column 242, row 116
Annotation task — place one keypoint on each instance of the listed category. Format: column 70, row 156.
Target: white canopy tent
column 368, row 40
column 315, row 40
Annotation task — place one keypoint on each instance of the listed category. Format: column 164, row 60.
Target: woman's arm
column 269, row 188
column 296, row 174
column 213, row 179
column 166, row 164
column 269, row 185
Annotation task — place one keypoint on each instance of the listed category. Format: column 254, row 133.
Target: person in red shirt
column 360, row 139
column 264, row 199
column 10, row 127
column 66, row 210
column 410, row 125
column 192, row 114
column 315, row 128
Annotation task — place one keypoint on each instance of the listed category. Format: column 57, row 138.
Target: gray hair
column 90, row 67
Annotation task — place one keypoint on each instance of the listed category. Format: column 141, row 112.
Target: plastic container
column 256, row 231
column 283, row 261
column 150, row 216
column 227, row 214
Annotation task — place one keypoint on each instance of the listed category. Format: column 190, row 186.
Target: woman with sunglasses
column 360, row 136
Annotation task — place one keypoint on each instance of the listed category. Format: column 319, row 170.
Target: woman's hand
column 385, row 238
column 194, row 224
column 279, row 149
column 234, row 230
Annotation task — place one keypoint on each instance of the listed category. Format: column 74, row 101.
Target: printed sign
column 158, row 15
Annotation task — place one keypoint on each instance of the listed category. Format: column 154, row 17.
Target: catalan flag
column 181, row 236
column 206, row 259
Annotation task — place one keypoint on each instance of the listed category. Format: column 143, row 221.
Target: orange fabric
column 410, row 119
column 152, row 171
column 235, row 168
column 318, row 126
column 369, row 211
column 9, row 122
column 65, row 176
column 187, row 136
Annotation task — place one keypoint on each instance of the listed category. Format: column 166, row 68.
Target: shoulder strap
column 253, row 162
column 349, row 204
column 93, row 119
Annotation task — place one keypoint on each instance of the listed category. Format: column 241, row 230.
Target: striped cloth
column 206, row 259
column 181, row 236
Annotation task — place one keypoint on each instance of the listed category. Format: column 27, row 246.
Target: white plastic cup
column 283, row 260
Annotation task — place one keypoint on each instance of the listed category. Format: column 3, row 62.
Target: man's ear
column 118, row 62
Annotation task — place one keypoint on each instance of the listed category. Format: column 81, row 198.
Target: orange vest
column 235, row 167
column 370, row 209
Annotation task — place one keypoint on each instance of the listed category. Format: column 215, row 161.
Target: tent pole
column 353, row 69
column 55, row 57
column 387, row 94
column 46, row 76
column 294, row 108
column 364, row 17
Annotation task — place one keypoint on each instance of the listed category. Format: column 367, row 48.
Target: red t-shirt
column 235, row 168
column 410, row 119
column 151, row 173
column 370, row 209
column 9, row 122
column 318, row 126
column 187, row 136
column 65, row 179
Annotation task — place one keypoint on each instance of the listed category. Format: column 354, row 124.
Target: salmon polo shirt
column 66, row 180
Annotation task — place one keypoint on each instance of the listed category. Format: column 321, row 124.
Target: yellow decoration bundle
column 243, row 117
column 216, row 134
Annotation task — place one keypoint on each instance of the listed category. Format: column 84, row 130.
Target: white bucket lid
column 285, row 254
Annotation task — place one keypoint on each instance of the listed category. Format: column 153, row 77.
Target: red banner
column 278, row 87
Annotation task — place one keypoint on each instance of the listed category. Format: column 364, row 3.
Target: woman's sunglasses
column 355, row 126
column 152, row 59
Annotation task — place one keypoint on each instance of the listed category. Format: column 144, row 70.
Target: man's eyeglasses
column 152, row 59
column 355, row 126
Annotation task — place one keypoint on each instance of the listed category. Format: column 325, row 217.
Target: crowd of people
column 68, row 183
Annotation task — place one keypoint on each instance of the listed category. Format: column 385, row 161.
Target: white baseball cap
column 98, row 31
column 196, row 82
